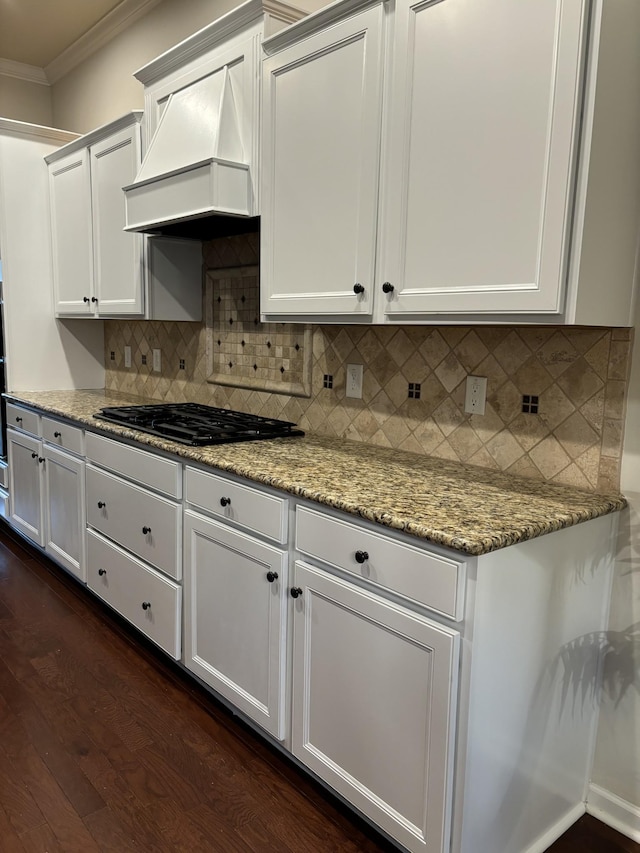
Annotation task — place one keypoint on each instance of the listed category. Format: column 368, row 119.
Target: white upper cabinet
column 97, row 267
column 321, row 125
column 439, row 157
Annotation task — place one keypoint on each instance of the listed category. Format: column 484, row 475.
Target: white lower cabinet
column 64, row 508
column 374, row 701
column 235, row 617
column 146, row 598
column 26, row 479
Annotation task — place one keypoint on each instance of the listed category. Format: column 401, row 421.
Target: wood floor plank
column 41, row 840
column 9, row 838
column 110, row 834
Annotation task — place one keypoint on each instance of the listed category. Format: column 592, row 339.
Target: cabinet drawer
column 24, row 419
column 63, row 435
column 126, row 584
column 147, row 524
column 255, row 510
column 435, row 581
column 150, row 470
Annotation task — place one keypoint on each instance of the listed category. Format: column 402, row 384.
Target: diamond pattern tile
column 579, row 374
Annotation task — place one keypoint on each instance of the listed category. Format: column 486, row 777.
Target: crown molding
column 22, row 71
column 115, row 22
column 11, row 127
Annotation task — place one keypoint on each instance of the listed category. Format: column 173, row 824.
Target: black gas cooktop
column 192, row 423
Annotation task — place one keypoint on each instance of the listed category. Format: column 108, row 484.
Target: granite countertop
column 464, row 507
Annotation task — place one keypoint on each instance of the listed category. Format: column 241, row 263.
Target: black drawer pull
column 361, row 556
column 146, row 530
column 102, row 572
column 101, row 504
column 146, row 605
column 57, row 435
column 296, row 592
column 272, row 576
column 225, row 501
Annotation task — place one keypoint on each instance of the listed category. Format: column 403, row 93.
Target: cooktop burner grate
column 198, row 425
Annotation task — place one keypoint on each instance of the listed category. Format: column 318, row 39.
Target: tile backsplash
column 414, row 379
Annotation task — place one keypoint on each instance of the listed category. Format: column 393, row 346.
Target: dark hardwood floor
column 104, row 746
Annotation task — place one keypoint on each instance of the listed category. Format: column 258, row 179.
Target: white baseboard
column 559, row 828
column 614, row 811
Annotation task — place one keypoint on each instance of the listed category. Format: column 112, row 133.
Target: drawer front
column 431, row 580
column 126, row 584
column 23, row 419
column 147, row 524
column 150, row 470
column 255, row 510
column 4, row 475
column 63, row 435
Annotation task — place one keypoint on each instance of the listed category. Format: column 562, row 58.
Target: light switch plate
column 127, row 356
column 157, row 360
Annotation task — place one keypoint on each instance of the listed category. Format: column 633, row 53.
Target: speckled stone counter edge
column 468, row 509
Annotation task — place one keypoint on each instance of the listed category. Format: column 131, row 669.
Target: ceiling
column 36, row 32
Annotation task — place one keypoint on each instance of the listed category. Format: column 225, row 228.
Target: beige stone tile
column 454, row 334
column 536, row 336
column 400, row 347
column 411, row 444
column 396, row 430
column 557, row 354
column 450, row 372
column 397, row 389
column 576, row 435
column 555, row 407
column 492, row 336
column 597, row 356
column 490, row 368
column 612, row 433
column 622, row 334
column 380, row 439
column 448, row 416
column 615, row 399
column 365, row 424
column 532, row 377
column 504, row 449
column 429, row 436
column 445, row 451
column 572, row 476
column 608, row 475
column 549, row 457
column 484, row 459
column 512, row 353
column 382, row 407
column 524, row 467
column 434, row 349
column 506, row 400
column 619, row 360
column 528, row 430
column 470, row 351
column 584, row 339
column 593, row 410
column 465, row 442
column 487, row 425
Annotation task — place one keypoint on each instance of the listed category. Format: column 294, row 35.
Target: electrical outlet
column 476, row 395
column 354, row 380
column 157, row 360
column 127, row 356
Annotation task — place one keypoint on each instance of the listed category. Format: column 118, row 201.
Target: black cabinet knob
column 40, row 458
column 102, row 572
column 146, row 605
column 57, row 435
column 225, row 501
column 146, row 530
column 85, row 299
column 34, row 455
column 101, row 504
column 94, row 298
column 361, row 556
column 387, row 287
column 18, row 419
column 296, row 591
column 272, row 576
column 358, row 288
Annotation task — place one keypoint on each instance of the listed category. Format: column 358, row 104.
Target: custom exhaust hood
column 195, row 165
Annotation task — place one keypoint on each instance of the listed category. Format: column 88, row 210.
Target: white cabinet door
column 484, row 107
column 26, row 485
column 118, row 258
column 72, row 241
column 235, row 615
column 322, row 101
column 65, row 510
column 374, row 700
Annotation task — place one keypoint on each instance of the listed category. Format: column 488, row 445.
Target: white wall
column 23, row 100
